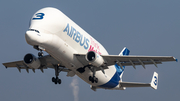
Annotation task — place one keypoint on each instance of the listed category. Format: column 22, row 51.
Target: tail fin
column 119, row 69
column 154, row 82
column 125, row 51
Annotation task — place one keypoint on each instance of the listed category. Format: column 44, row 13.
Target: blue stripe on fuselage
column 114, row 81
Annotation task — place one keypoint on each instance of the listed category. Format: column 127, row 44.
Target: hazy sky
column 146, row 27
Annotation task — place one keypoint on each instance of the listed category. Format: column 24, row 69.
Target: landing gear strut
column 56, row 79
column 93, row 78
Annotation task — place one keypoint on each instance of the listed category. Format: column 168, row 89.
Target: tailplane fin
column 125, row 51
column 120, row 69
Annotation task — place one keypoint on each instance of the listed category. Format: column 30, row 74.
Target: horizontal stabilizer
column 134, row 84
column 153, row 83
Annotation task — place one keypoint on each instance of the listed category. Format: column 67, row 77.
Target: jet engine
column 31, row 61
column 94, row 59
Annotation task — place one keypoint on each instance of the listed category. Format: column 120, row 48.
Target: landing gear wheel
column 95, row 80
column 59, row 81
column 40, row 54
column 90, row 78
column 53, row 79
column 56, row 80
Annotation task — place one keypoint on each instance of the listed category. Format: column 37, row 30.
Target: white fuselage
column 62, row 38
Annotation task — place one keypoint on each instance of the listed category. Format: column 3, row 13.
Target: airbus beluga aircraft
column 73, row 50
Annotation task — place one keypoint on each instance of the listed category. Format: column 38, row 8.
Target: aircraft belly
column 62, row 52
column 108, row 80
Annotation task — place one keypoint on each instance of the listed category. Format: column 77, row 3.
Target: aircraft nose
column 32, row 37
column 37, row 38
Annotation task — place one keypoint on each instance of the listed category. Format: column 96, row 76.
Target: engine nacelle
column 31, row 61
column 94, row 59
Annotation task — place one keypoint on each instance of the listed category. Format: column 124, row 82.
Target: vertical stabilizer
column 125, row 51
column 119, row 69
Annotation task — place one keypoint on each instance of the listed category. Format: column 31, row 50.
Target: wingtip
column 154, row 82
column 175, row 59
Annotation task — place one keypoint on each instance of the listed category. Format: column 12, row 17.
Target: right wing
column 137, row 60
column 128, row 60
column 46, row 62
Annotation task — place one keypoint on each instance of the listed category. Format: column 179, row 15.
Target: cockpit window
column 34, row 30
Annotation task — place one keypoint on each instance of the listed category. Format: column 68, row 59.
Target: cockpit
column 34, row 30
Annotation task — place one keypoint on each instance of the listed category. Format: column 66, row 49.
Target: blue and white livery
column 73, row 50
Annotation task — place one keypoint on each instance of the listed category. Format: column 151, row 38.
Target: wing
column 129, row 60
column 137, row 60
column 46, row 62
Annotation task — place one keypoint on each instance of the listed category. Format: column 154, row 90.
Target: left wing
column 128, row 60
column 46, row 62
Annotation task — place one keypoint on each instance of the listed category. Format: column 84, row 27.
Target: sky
column 145, row 27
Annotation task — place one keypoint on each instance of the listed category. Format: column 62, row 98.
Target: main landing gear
column 56, row 79
column 93, row 79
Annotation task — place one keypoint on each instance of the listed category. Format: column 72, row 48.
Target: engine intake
column 31, row 61
column 94, row 59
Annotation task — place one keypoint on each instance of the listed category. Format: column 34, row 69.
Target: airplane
column 71, row 49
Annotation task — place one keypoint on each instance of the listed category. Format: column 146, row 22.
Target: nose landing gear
column 40, row 54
